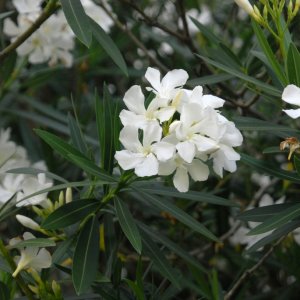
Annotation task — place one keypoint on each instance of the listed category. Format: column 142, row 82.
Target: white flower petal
column 167, row 167
column 163, row 150
column 41, row 260
column 181, row 180
column 186, row 150
column 174, row 78
column 10, row 28
column 152, row 133
column 149, row 166
column 153, row 76
column 128, row 160
column 205, row 144
column 291, row 94
column 129, row 118
column 165, row 113
column 212, row 101
column 134, row 100
column 129, row 138
column 293, row 113
column 198, row 170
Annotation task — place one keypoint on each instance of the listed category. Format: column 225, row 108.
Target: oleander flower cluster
column 53, row 42
column 15, row 187
column 180, row 132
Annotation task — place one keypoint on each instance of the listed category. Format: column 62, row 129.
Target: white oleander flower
column 196, row 169
column 225, row 157
column 31, row 257
column 193, row 131
column 10, row 186
column 196, row 133
column 32, row 185
column 143, row 157
column 291, row 95
column 167, row 87
column 51, row 43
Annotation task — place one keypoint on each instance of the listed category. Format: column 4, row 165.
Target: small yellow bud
column 61, row 198
column 69, row 196
column 27, row 222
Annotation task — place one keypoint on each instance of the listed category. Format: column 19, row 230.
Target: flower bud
column 61, row 198
column 69, row 196
column 245, row 4
column 27, row 222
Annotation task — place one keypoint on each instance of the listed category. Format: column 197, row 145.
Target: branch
column 48, row 11
column 250, row 271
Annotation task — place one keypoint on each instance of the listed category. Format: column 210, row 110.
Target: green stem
column 48, row 11
column 13, row 266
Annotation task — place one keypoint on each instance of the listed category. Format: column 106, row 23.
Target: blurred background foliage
column 221, row 53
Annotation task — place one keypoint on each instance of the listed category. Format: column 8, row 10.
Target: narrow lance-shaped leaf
column 269, row 53
column 128, row 225
column 179, row 214
column 85, row 259
column 109, row 46
column 38, row 242
column 159, row 260
column 70, row 213
column 278, row 220
column 292, row 65
column 269, row 169
column 78, row 20
column 276, row 234
column 76, row 135
column 297, row 164
column 265, row 87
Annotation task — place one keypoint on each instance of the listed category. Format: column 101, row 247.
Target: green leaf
column 260, row 214
column 128, row 225
column 174, row 247
column 136, row 289
column 209, row 79
column 70, row 213
column 109, row 46
column 297, row 164
column 276, row 67
column 159, row 260
column 63, row 148
column 85, row 259
column 246, row 123
column 206, row 32
column 61, row 251
column 177, row 213
column 190, row 195
column 292, row 65
column 276, row 234
column 269, row 169
column 277, row 220
column 4, row 266
column 4, row 291
column 33, row 171
column 38, row 242
column 76, row 135
column 265, row 87
column 92, row 169
column 78, row 20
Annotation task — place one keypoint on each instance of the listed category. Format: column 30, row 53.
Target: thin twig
column 251, row 270
column 47, row 12
column 126, row 30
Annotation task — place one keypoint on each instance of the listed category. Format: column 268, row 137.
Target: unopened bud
column 56, row 289
column 69, row 196
column 27, row 222
column 245, row 4
column 61, row 198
